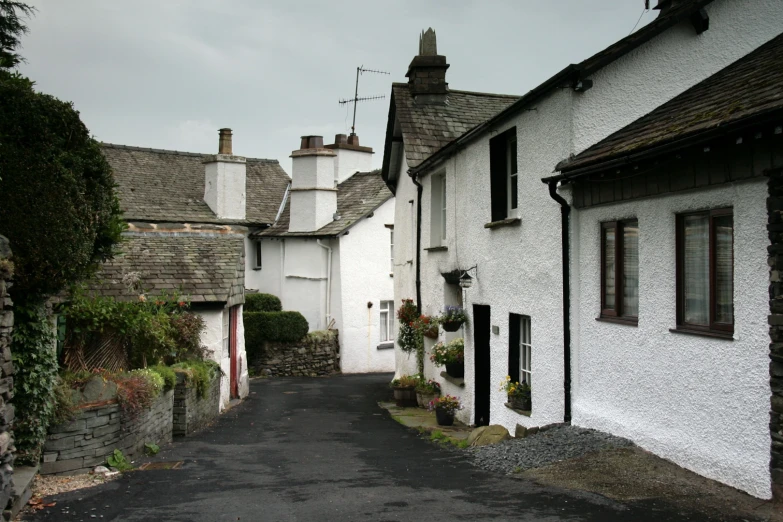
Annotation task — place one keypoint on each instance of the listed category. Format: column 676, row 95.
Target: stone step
column 23, row 488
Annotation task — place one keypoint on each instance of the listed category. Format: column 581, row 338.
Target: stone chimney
column 313, row 191
column 427, row 72
column 350, row 157
column 225, row 187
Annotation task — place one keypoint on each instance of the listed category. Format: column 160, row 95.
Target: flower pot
column 425, row 398
column 456, row 369
column 432, row 332
column 451, row 326
column 444, row 417
column 520, row 402
column 405, row 397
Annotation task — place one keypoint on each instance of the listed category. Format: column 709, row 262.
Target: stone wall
column 775, row 229
column 6, row 375
column 99, row 429
column 315, row 355
column 191, row 412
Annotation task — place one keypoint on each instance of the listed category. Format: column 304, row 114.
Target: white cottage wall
column 364, row 277
column 304, row 286
column 700, row 402
column 669, row 64
column 212, row 338
column 519, row 267
column 243, row 372
column 268, row 278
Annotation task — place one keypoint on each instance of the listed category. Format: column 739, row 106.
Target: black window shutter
column 497, row 173
column 513, row 346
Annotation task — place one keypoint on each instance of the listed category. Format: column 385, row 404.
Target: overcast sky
column 168, row 73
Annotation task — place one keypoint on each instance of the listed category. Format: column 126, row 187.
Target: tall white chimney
column 351, row 157
column 313, row 191
column 225, row 182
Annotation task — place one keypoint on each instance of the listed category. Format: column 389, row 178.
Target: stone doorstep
column 23, row 487
column 421, row 419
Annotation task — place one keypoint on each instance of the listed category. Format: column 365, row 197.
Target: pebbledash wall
column 6, row 376
column 318, row 354
column 686, row 398
column 99, row 429
column 519, row 268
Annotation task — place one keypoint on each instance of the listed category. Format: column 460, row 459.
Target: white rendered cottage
column 481, row 207
column 329, row 253
column 188, row 215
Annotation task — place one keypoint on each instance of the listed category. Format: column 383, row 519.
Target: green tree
column 12, row 28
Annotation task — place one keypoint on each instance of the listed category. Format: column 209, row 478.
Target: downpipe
column 419, row 190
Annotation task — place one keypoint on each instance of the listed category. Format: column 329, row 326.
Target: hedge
column 272, row 326
column 262, row 303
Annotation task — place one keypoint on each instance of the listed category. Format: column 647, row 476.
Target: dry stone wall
column 99, row 429
column 6, row 375
column 191, row 412
column 316, row 355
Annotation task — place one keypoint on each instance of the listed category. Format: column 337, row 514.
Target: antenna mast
column 355, row 100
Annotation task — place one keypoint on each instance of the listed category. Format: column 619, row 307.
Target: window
column 387, row 321
column 258, row 255
column 503, row 175
column 226, row 352
column 520, row 349
column 438, row 210
column 705, row 271
column 620, row 269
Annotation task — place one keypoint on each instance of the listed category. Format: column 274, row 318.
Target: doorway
column 232, row 350
column 481, row 329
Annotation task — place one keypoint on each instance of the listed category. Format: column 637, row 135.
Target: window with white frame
column 438, row 210
column 387, row 321
column 258, row 256
column 504, row 179
column 391, row 249
column 226, row 352
column 520, row 349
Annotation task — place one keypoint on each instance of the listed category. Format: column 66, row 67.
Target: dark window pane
column 631, row 268
column 609, row 268
column 696, row 269
column 724, row 269
column 513, row 191
column 513, row 156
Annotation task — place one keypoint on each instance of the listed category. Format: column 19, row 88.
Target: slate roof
column 164, row 185
column 206, row 268
column 357, row 196
column 750, row 87
column 427, row 128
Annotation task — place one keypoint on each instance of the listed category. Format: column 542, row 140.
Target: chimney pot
column 312, row 142
column 224, row 144
column 340, row 139
column 353, row 139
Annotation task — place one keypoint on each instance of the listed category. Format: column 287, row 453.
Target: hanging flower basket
column 452, row 326
column 432, row 332
column 456, row 369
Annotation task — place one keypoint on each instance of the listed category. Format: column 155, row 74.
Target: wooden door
column 481, row 330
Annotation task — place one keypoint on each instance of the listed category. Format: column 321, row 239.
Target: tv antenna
column 355, row 100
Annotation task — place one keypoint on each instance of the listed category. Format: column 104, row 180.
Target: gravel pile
column 543, row 448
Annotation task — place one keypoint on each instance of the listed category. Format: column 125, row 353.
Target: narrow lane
column 321, row 449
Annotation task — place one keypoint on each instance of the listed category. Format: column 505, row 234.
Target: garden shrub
column 272, row 326
column 199, row 374
column 262, row 303
column 168, row 375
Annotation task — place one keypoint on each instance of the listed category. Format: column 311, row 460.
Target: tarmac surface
column 322, row 449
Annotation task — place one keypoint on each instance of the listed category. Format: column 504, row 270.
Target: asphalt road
column 321, row 449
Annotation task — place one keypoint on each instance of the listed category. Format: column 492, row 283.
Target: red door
column 232, row 350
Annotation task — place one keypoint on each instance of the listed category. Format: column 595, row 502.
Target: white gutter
column 328, row 282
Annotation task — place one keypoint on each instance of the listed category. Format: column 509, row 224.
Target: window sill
column 456, row 381
column 386, row 346
column 619, row 320
column 437, row 249
column 256, row 269
column 508, row 222
column 703, row 333
column 521, row 412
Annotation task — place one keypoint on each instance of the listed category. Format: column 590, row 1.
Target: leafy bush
column 119, row 461
column 272, row 326
column 154, row 379
column 262, row 303
column 199, row 374
column 168, row 375
column 136, row 391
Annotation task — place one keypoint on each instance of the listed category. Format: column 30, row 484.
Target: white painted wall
column 224, row 186
column 702, row 403
column 213, row 340
column 304, row 281
column 365, row 277
column 348, row 162
column 268, row 279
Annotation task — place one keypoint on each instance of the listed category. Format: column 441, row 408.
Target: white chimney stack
column 313, row 191
column 351, row 157
column 225, row 187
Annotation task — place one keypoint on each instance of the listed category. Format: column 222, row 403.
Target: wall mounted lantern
column 465, row 280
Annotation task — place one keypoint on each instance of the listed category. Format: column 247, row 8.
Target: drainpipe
column 419, row 190
column 565, row 211
column 328, row 282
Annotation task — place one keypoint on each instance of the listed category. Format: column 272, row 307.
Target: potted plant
column 451, row 355
column 405, row 391
column 428, row 326
column 445, row 408
column 427, row 391
column 453, row 318
column 518, row 394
